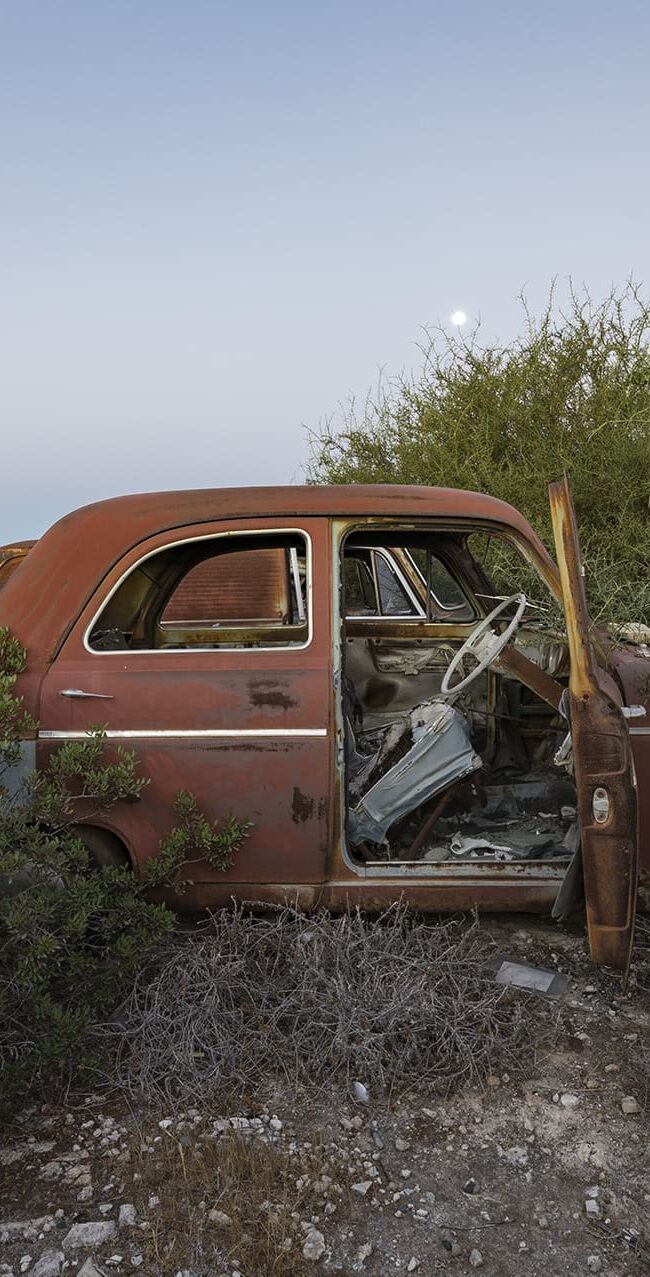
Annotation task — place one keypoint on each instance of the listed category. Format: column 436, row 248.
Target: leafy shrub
column 72, row 935
column 194, row 839
column 573, row 392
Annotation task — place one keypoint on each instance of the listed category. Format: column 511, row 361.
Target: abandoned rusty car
column 338, row 666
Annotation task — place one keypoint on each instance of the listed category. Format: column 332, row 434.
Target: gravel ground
column 544, row 1171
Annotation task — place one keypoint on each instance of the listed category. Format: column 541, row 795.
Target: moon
column 458, row 318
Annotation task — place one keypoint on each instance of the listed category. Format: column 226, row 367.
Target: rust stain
column 266, row 692
column 302, row 806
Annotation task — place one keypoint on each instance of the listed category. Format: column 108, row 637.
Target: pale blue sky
column 219, row 220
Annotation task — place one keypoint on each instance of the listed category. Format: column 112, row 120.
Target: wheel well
column 104, row 847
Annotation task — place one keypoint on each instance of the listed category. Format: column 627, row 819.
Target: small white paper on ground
column 535, row 978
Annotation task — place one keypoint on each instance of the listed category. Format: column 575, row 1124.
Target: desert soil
column 545, row 1172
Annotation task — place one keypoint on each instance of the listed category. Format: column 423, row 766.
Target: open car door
column 604, row 770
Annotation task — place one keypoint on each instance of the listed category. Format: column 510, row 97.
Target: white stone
column 50, row 1264
column 629, row 1105
column 401, row 1145
column 592, row 1208
column 594, row 1263
column 90, row 1270
column 363, row 1187
column 314, row 1247
column 412, row 1264
column 360, row 1093
column 364, row 1252
column 517, row 1155
column 24, row 1228
column 219, row 1218
column 476, row 1258
column 25, row 1261
column 128, row 1216
column 91, row 1235
column 569, row 1101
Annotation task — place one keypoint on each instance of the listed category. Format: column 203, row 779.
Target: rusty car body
column 335, row 665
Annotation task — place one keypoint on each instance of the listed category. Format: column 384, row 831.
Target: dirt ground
column 542, row 1173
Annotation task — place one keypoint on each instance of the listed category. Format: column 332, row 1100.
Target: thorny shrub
column 397, row 1001
column 72, row 935
column 572, row 392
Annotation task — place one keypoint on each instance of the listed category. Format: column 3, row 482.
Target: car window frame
column 228, row 534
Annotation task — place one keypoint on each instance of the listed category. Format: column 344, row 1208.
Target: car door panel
column 604, row 770
column 245, row 730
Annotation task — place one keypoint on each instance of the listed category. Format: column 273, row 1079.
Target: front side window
column 372, row 586
column 242, row 591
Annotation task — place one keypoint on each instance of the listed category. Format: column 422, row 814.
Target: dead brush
column 260, row 1188
column 393, row 1001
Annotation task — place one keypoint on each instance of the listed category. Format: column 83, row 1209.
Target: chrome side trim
column 209, row 733
column 639, row 731
column 76, row 693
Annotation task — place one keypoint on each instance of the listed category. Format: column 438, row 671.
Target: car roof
column 91, row 539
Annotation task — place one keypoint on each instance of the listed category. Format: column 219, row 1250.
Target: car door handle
column 76, row 693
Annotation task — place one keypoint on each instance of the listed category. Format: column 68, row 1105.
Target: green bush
column 573, row 392
column 72, row 935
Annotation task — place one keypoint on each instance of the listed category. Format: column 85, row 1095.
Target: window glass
column 389, row 579
column 231, row 589
column 444, row 588
column 359, row 585
column 235, row 592
column 393, row 597
column 508, row 571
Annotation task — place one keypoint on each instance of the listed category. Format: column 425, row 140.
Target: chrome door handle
column 76, row 693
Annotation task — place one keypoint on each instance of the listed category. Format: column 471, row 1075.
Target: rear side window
column 223, row 592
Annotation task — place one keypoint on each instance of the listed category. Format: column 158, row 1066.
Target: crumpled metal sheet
column 441, row 754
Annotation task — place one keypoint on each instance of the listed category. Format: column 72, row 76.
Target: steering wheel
column 483, row 645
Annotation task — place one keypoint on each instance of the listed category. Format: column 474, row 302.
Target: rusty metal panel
column 248, row 585
column 515, row 662
column 248, row 731
column 641, row 754
column 604, row 771
column 11, row 557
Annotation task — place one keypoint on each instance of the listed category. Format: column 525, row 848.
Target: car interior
column 457, row 747
column 454, row 667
